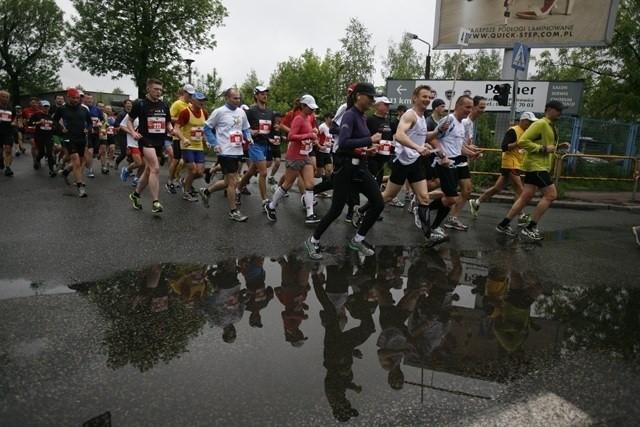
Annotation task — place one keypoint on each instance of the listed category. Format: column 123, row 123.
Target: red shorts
column 134, row 150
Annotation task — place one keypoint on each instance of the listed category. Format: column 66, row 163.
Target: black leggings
column 346, row 179
column 122, row 141
column 45, row 149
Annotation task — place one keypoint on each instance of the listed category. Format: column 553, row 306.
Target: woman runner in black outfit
column 351, row 173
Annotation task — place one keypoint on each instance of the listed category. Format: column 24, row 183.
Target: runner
column 8, row 125
column 133, row 152
column 76, row 124
column 155, row 125
column 93, row 144
column 274, row 155
column 190, row 132
column 231, row 128
column 45, row 129
column 301, row 138
column 29, row 131
column 184, row 98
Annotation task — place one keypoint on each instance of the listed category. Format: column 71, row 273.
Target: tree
column 118, row 91
column 29, row 51
column 141, row 38
column 246, row 88
column 356, row 55
column 611, row 73
column 402, row 61
column 210, row 84
column 478, row 65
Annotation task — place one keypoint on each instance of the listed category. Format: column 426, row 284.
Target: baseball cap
column 383, row 100
column 81, row 93
column 528, row 115
column 199, row 95
column 189, row 89
column 45, row 104
column 309, row 101
column 72, row 92
column 366, row 89
column 436, row 103
column 260, row 89
column 556, row 105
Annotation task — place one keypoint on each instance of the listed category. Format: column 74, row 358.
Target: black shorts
column 159, row 149
column 448, row 180
column 429, row 170
column 93, row 141
column 6, row 139
column 228, row 164
column 273, row 152
column 540, row 179
column 507, row 172
column 463, row 172
column 76, row 146
column 412, row 173
column 323, row 159
column 177, row 149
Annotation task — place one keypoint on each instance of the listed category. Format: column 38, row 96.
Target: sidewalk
column 584, row 200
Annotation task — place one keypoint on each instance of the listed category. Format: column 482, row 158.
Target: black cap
column 366, row 88
column 436, row 103
column 556, row 105
column 401, row 107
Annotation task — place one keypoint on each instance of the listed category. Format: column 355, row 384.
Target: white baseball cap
column 528, row 115
column 382, row 99
column 189, row 89
column 309, row 101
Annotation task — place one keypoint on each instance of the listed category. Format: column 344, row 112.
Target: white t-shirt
column 123, row 124
column 418, row 135
column 228, row 126
column 453, row 139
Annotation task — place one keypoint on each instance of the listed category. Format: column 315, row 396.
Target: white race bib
column 5, row 116
column 47, row 125
column 305, row 147
column 264, row 127
column 156, row 125
column 235, row 138
column 197, row 133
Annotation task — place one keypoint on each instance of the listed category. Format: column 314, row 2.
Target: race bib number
column 305, row 147
column 5, row 116
column 95, row 121
column 326, row 148
column 47, row 125
column 384, row 148
column 197, row 133
column 156, row 125
column 264, row 127
column 111, row 130
column 276, row 140
column 235, row 138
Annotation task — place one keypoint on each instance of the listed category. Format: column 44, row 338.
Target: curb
column 567, row 204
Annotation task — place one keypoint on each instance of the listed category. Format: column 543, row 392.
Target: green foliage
column 611, row 73
column 246, row 88
column 357, row 56
column 478, row 65
column 402, row 61
column 29, row 52
column 211, row 85
column 141, row 38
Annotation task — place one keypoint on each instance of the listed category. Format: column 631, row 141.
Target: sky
column 259, row 34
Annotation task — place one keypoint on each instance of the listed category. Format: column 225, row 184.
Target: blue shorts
column 257, row 152
column 193, row 156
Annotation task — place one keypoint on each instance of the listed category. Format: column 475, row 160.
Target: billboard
column 538, row 23
column 532, row 95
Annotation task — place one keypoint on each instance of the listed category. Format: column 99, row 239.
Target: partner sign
column 532, row 95
column 537, row 23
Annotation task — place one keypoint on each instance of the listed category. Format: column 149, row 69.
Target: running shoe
column 474, row 206
column 524, row 220
column 135, row 182
column 312, row 219
column 237, row 216
column 124, row 174
column 349, row 217
column 313, row 249
column 82, row 192
column 356, row 218
column 189, row 197
column 532, row 234
column 396, row 203
column 65, row 177
column 505, row 229
column 204, row 197
column 52, row 174
column 90, row 174
column 245, row 191
column 104, row 170
column 454, row 223
column 408, row 196
column 324, row 195
column 416, row 219
column 156, row 207
column 440, row 234
column 207, row 176
column 171, row 188
column 636, row 232
column 271, row 213
column 137, row 203
column 9, row 172
column 271, row 180
column 361, row 247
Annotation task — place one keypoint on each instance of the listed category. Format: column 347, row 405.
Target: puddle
column 327, row 337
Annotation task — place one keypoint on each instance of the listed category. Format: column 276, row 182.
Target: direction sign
column 463, row 37
column 520, row 59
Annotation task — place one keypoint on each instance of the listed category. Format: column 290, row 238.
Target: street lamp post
column 189, row 62
column 427, row 68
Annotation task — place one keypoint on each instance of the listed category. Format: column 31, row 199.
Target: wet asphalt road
column 57, row 363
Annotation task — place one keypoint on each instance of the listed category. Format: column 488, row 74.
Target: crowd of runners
column 421, row 149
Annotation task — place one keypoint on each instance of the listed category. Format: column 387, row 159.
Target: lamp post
column 427, row 68
column 189, row 62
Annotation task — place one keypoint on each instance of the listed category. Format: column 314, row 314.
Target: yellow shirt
column 193, row 130
column 176, row 108
column 513, row 158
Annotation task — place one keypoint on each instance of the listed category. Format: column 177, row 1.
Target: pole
column 512, row 115
column 427, row 69
column 455, row 78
